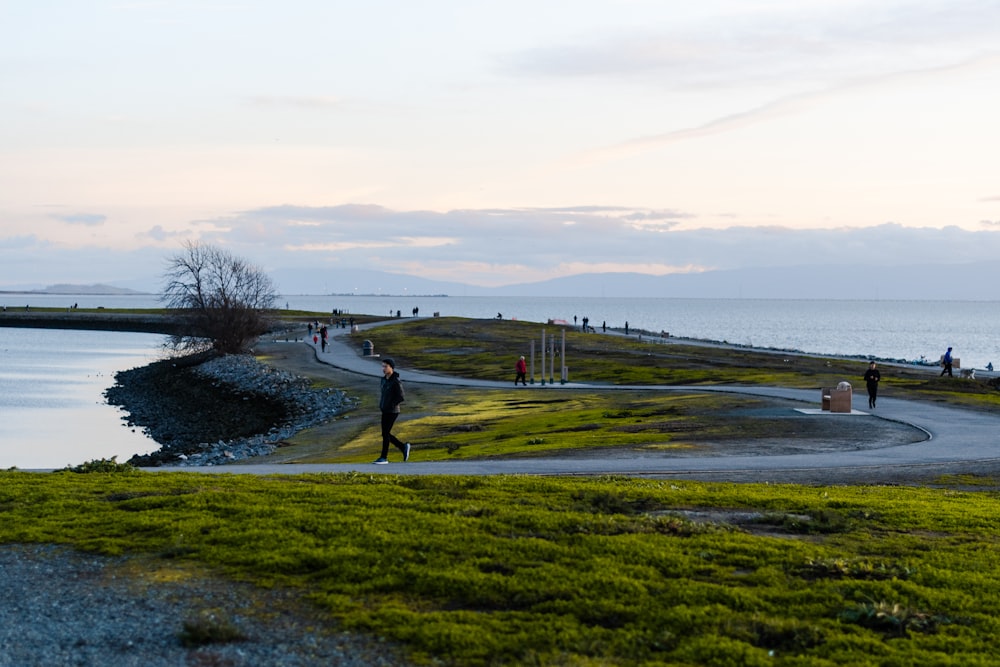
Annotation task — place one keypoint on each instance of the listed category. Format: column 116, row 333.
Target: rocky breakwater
column 211, row 410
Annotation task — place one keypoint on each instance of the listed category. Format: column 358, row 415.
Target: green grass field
column 609, row 571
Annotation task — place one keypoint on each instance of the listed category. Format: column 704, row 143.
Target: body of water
column 52, row 407
column 908, row 330
column 51, row 382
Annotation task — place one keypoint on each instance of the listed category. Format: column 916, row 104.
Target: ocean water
column 52, row 411
column 905, row 330
column 52, row 408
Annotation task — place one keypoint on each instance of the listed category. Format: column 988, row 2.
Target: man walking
column 389, row 399
column 946, row 361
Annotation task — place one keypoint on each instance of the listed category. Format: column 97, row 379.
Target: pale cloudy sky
column 494, row 142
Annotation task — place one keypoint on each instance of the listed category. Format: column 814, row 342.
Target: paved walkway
column 955, row 436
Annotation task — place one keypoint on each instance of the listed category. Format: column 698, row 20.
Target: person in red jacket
column 522, row 372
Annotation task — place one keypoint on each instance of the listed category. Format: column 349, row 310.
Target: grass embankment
column 487, row 349
column 510, row 570
column 473, row 423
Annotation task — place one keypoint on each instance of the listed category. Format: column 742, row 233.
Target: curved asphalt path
column 955, row 436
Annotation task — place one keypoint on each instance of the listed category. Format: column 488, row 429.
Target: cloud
column 85, row 219
column 316, row 102
column 16, row 243
column 500, row 246
column 804, row 43
column 408, row 242
column 768, row 111
column 158, row 233
column 495, row 246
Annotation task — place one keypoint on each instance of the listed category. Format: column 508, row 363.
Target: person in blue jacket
column 946, row 362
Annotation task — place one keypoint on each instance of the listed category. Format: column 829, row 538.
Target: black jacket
column 392, row 393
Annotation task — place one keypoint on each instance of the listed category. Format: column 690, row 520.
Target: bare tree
column 223, row 301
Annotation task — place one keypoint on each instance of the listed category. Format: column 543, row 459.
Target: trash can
column 367, row 349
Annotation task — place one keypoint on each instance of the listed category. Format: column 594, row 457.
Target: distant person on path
column 626, row 327
column 872, row 377
column 324, row 334
column 388, row 403
column 604, row 326
column 946, row 362
column 522, row 372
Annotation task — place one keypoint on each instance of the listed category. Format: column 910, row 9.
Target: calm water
column 52, row 408
column 52, row 412
column 905, row 330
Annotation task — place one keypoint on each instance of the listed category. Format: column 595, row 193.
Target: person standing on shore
column 388, row 403
column 946, row 361
column 872, row 378
column 521, row 368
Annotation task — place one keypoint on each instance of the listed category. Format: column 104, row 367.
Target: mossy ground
column 477, row 424
column 610, row 571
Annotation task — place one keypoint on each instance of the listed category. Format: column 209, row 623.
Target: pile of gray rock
column 211, row 411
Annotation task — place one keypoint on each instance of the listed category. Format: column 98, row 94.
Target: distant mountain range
column 964, row 282
column 77, row 289
column 933, row 282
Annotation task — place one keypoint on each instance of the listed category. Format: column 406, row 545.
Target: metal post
column 543, row 357
column 563, row 375
column 532, row 361
column 552, row 359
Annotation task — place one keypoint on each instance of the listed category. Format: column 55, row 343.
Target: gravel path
column 61, row 607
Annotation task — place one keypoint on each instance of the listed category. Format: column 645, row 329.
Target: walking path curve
column 956, row 437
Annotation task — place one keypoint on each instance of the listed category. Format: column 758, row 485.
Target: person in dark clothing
column 388, row 403
column 946, row 361
column 521, row 368
column 872, row 378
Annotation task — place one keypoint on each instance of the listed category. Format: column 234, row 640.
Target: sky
column 491, row 142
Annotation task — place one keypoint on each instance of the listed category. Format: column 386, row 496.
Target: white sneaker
column 380, row 461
